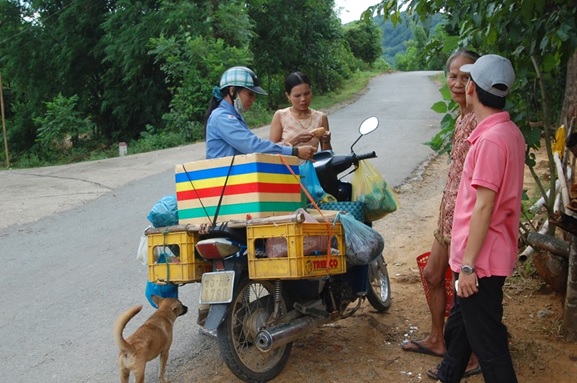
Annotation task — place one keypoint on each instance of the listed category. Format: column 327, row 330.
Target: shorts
column 440, row 233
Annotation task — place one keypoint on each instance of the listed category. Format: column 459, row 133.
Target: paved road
column 68, row 239
column 402, row 103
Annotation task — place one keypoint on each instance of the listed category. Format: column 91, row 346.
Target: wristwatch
column 466, row 269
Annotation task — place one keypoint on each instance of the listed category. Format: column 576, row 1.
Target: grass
column 350, row 91
column 439, row 79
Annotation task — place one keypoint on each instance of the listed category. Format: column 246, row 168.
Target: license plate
column 216, row 287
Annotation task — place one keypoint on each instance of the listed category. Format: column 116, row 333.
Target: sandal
column 433, row 373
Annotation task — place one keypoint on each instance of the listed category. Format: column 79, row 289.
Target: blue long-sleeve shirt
column 227, row 134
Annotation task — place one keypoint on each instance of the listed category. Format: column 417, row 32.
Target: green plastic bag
column 370, row 188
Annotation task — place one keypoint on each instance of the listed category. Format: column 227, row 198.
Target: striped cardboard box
column 259, row 185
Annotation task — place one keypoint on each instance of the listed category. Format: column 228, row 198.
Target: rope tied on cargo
column 196, row 192
column 164, row 233
column 214, row 220
column 328, row 223
column 222, row 192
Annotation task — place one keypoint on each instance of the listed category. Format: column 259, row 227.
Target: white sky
column 352, row 9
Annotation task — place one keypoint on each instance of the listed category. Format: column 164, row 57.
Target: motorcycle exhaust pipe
column 284, row 333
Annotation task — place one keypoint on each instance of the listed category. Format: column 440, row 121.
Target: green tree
column 396, row 35
column 47, row 48
column 16, row 44
column 305, row 36
column 436, row 58
column 419, row 54
column 193, row 58
column 134, row 91
column 101, row 52
column 146, row 67
column 414, row 57
column 539, row 36
column 160, row 63
column 193, row 80
column 394, row 38
column 365, row 40
column 62, row 126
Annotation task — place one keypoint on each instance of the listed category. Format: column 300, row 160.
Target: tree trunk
column 549, row 243
column 569, row 111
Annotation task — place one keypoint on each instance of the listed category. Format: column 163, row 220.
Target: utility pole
column 4, row 124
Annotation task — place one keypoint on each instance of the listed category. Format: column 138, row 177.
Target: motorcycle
column 256, row 320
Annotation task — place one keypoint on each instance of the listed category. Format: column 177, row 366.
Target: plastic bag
column 364, row 243
column 310, row 181
column 142, row 253
column 163, row 291
column 277, row 247
column 164, row 212
column 370, row 188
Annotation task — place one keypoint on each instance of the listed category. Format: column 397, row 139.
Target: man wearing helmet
column 227, row 133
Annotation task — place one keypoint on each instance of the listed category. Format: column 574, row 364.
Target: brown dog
column 151, row 339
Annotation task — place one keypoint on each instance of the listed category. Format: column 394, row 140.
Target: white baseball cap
column 490, row 70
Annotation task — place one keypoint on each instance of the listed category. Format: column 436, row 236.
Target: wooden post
column 570, row 309
column 4, row 124
column 550, row 244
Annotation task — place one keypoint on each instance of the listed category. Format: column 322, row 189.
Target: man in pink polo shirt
column 485, row 228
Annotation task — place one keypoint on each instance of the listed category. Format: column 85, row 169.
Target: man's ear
column 231, row 91
column 470, row 88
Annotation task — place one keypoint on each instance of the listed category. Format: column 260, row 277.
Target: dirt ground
column 366, row 347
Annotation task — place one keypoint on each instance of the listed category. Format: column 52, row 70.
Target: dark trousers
column 475, row 325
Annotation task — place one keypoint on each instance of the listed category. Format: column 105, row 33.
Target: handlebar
column 329, row 166
column 366, row 156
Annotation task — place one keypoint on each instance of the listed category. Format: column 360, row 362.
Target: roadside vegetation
column 79, row 77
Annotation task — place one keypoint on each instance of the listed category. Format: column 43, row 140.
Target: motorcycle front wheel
column 251, row 306
column 379, row 286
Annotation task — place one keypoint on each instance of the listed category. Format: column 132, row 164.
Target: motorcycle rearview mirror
column 367, row 126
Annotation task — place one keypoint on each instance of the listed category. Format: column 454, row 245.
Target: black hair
column 294, row 79
column 490, row 100
column 213, row 103
column 460, row 53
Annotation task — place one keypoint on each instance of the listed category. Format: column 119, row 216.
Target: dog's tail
column 121, row 323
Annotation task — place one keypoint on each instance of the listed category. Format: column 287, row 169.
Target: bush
column 151, row 140
column 61, row 127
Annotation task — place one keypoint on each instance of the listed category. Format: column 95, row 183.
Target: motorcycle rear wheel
column 379, row 285
column 251, row 306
